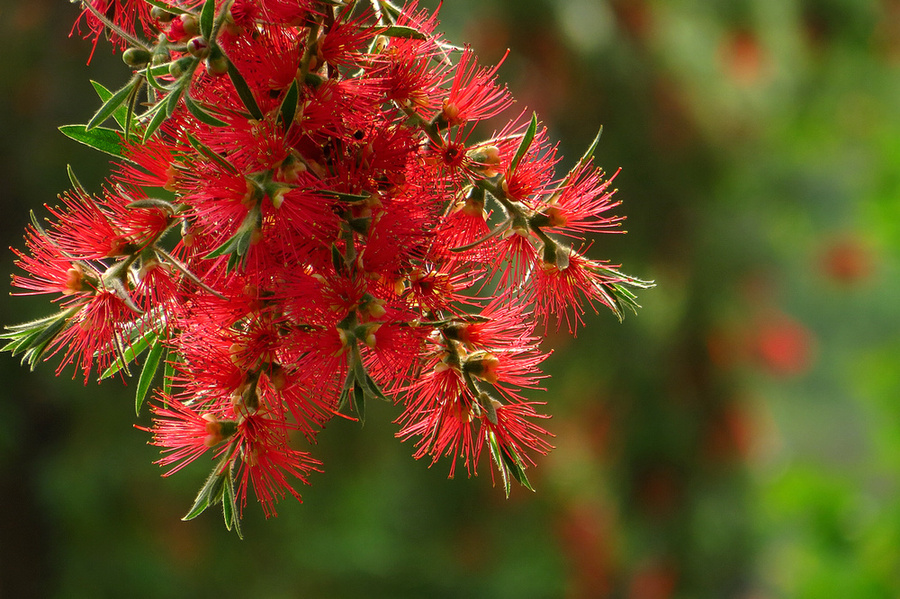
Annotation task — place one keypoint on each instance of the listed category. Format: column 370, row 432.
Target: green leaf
column 527, row 138
column 113, row 103
column 159, row 115
column 76, row 184
column 345, row 197
column 359, row 402
column 207, row 14
column 514, row 465
column 244, row 92
column 120, row 113
column 151, row 364
column 212, row 154
column 169, row 372
column 167, row 7
column 132, row 351
column 589, row 153
column 230, row 509
column 495, row 454
column 212, row 490
column 201, row 114
column 106, row 140
column 403, row 32
column 236, row 246
column 289, row 105
column 173, row 97
column 32, row 338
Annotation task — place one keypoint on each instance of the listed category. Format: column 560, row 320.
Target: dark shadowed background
column 739, row 438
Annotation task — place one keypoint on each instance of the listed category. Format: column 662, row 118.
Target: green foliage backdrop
column 739, row 438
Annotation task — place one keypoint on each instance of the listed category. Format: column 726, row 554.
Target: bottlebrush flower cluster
column 299, row 220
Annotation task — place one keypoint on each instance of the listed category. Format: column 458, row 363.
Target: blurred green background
column 739, row 438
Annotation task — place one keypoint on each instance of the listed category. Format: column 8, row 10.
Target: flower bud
column 178, row 67
column 161, row 15
column 135, row 57
column 198, row 47
column 190, row 23
column 216, row 64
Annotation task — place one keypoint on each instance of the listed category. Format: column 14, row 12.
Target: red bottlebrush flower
column 124, row 14
column 50, row 270
column 264, row 460
column 342, row 237
column 473, row 94
column 446, row 430
column 85, row 230
column 578, row 206
column 185, row 433
column 515, row 433
column 563, row 290
column 92, row 335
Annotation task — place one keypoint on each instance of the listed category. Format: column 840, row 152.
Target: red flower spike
column 319, row 228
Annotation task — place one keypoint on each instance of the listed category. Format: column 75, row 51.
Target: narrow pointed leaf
column 359, row 402
column 402, row 32
column 212, row 154
column 514, row 465
column 202, row 115
column 151, row 364
column 76, row 184
column 244, row 92
column 113, row 103
column 589, row 153
column 119, row 114
column 211, row 492
column 159, row 115
column 107, row 141
column 169, row 373
column 207, row 14
column 172, row 99
column 129, row 353
column 230, row 509
column 167, row 7
column 527, row 138
column 289, row 105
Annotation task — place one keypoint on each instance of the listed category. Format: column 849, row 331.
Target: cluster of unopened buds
column 299, row 221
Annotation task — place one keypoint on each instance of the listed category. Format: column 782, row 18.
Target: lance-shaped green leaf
column 402, row 32
column 527, row 138
column 229, row 507
column 174, row 96
column 114, row 102
column 513, row 464
column 498, row 461
column 151, row 364
column 212, row 155
column 107, row 141
column 244, row 92
column 358, row 385
column 207, row 14
column 76, row 184
column 196, row 109
column 130, row 352
column 169, row 372
column 32, row 338
column 158, row 115
column 212, row 490
column 236, row 246
column 288, row 107
column 119, row 114
column 167, row 7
